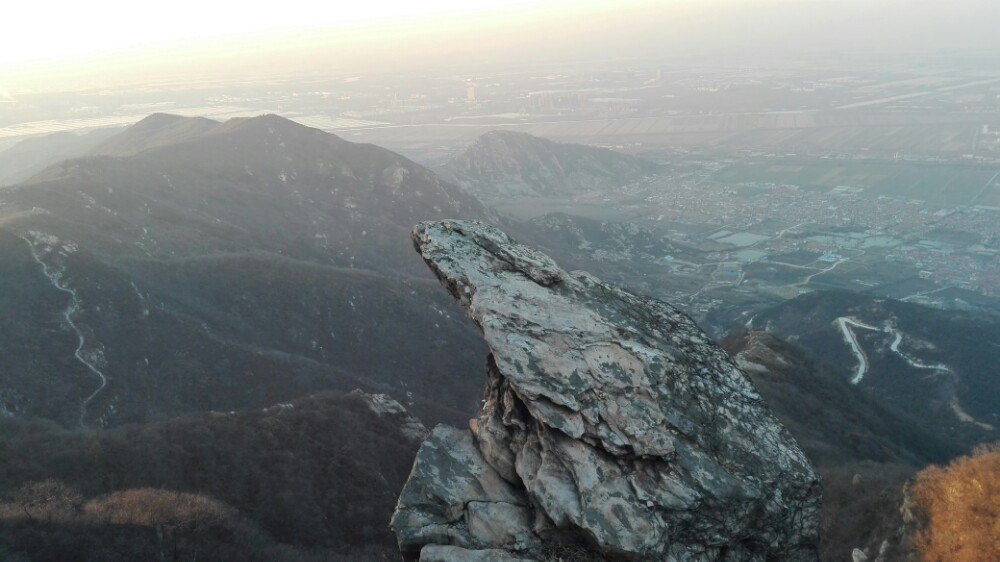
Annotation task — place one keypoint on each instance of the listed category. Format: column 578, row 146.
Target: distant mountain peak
column 501, row 163
column 160, row 119
column 271, row 122
column 506, row 134
column 160, row 130
column 153, row 131
column 159, row 122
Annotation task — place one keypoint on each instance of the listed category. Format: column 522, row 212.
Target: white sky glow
column 45, row 29
column 45, row 41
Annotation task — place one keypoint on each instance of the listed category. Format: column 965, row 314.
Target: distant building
column 470, row 92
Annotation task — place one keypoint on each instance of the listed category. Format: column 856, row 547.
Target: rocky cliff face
column 610, row 425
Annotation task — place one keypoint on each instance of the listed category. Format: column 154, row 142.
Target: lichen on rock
column 610, row 422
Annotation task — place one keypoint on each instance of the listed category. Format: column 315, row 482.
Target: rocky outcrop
column 610, row 425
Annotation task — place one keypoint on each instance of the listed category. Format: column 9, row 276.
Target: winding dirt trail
column 845, row 323
column 809, row 278
column 851, row 338
column 56, row 277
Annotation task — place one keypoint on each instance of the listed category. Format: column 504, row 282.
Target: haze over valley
column 734, row 299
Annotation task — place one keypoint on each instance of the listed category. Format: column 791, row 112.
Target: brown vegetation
column 152, row 508
column 959, row 507
column 316, row 479
column 46, row 499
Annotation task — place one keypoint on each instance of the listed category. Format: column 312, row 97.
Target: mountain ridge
column 508, row 163
column 254, row 261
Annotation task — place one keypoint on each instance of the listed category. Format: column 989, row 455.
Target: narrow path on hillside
column 953, row 402
column 845, row 323
column 912, row 361
column 852, row 341
column 924, row 293
column 56, row 277
column 806, row 280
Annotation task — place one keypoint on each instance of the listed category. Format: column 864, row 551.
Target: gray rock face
column 438, row 553
column 610, row 423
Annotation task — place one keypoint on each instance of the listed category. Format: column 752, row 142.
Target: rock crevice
column 610, row 423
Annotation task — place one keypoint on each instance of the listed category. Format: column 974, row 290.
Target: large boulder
column 611, row 425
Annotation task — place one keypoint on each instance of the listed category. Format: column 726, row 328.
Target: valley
column 189, row 298
column 880, row 181
column 726, row 253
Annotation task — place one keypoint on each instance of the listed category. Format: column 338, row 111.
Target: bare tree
column 45, row 498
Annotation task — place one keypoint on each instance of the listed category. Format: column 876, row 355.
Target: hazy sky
column 34, row 30
column 99, row 36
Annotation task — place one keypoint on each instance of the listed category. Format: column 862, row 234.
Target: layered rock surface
column 610, row 425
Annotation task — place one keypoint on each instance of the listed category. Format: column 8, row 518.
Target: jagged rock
column 610, row 422
column 455, row 498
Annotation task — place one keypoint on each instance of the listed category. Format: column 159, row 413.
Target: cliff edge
column 611, row 426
